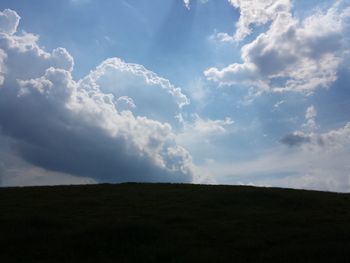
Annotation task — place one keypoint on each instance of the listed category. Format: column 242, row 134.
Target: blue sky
column 223, row 92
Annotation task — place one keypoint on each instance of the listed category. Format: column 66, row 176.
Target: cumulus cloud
column 94, row 127
column 292, row 55
column 151, row 96
column 257, row 12
column 253, row 12
column 9, row 21
column 125, row 103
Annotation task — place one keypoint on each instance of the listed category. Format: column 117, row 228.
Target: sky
column 253, row 92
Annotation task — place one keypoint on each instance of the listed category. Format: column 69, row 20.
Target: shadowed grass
column 172, row 223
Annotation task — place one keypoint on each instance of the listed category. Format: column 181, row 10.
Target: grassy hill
column 172, row 223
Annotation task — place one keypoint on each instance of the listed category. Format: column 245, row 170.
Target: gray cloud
column 14, row 171
column 75, row 127
column 331, row 140
column 295, row 139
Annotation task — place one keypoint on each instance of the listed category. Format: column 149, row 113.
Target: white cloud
column 152, row 96
column 187, row 3
column 222, row 37
column 9, row 21
column 253, row 12
column 125, row 103
column 292, row 55
column 26, row 59
column 257, row 12
column 75, row 128
column 126, row 74
column 207, row 127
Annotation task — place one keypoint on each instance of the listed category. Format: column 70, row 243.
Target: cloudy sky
column 252, row 92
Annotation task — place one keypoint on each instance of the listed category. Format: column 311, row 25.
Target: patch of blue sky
column 333, row 104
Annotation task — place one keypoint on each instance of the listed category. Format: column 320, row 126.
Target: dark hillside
column 172, row 223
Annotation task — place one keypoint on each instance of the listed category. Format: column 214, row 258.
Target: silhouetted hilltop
column 172, row 223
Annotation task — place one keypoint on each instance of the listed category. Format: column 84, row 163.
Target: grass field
column 172, row 223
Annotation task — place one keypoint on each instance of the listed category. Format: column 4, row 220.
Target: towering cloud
column 108, row 126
